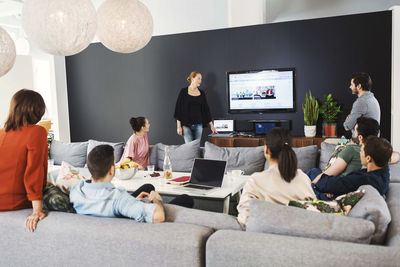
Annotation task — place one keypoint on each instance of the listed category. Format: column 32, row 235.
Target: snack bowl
column 125, row 174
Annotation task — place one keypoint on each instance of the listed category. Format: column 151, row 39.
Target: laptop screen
column 208, row 172
column 223, row 125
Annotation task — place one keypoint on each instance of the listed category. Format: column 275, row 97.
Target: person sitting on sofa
column 23, row 157
column 348, row 160
column 99, row 197
column 282, row 182
column 375, row 154
column 137, row 146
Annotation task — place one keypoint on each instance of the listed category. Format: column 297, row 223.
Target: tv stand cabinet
column 298, row 141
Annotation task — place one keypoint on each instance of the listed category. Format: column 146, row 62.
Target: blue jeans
column 192, row 132
column 312, row 174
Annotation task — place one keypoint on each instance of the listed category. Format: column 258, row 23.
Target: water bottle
column 167, row 166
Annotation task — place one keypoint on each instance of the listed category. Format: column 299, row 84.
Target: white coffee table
column 229, row 187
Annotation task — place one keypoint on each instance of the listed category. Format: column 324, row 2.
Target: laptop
column 206, row 174
column 224, row 128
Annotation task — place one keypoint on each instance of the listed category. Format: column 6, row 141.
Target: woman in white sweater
column 281, row 182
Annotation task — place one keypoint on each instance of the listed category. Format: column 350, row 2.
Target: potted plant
column 329, row 111
column 311, row 112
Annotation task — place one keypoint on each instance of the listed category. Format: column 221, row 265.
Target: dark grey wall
column 105, row 88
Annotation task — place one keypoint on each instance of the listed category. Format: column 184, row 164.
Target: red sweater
column 23, row 166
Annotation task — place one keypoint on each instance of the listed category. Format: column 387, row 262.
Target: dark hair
column 137, row 123
column 367, row 127
column 279, row 141
column 99, row 161
column 379, row 149
column 363, row 79
column 26, row 107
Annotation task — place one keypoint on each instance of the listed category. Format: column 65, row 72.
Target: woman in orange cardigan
column 23, row 157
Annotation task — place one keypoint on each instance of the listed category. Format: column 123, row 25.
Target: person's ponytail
column 278, row 141
column 287, row 163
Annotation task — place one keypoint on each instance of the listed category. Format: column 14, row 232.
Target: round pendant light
column 7, row 52
column 60, row 27
column 124, row 26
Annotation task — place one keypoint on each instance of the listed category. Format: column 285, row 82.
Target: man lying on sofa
column 375, row 154
column 100, row 198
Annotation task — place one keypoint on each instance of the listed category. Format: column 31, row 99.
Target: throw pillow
column 118, row 148
column 326, row 152
column 68, row 176
column 273, row 218
column 247, row 159
column 341, row 205
column 181, row 156
column 373, row 207
column 56, row 200
column 394, row 172
column 306, row 157
column 74, row 153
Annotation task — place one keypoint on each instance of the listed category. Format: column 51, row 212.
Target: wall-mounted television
column 268, row 90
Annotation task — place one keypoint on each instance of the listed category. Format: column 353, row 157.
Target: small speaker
column 244, row 126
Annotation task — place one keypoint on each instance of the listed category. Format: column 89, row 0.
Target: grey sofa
column 195, row 238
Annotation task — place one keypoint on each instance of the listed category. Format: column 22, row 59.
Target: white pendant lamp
column 60, row 27
column 124, row 26
column 7, row 52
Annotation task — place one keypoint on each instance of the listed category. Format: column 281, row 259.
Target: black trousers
column 181, row 200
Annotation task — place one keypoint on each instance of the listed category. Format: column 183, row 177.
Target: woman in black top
column 192, row 113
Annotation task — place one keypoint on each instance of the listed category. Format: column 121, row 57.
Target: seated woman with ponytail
column 137, row 146
column 282, row 181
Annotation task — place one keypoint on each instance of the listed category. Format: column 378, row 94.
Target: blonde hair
column 192, row 75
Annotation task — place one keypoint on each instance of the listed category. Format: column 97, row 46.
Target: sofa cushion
column 118, row 148
column 326, row 153
column 73, row 153
column 373, row 207
column 306, row 157
column 273, row 218
column 217, row 221
column 129, row 242
column 392, row 200
column 394, row 172
column 247, row 159
column 181, row 156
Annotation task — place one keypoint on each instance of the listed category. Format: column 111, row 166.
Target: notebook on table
column 206, row 174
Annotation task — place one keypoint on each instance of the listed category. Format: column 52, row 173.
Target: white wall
column 287, row 10
column 20, row 76
column 242, row 13
column 396, row 78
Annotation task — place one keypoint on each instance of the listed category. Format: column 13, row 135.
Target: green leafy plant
column 310, row 110
column 329, row 109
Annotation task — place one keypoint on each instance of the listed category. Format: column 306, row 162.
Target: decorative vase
column 310, row 130
column 328, row 129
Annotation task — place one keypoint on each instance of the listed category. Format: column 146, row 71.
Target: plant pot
column 328, row 129
column 310, row 130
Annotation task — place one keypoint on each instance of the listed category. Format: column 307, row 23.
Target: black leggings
column 181, row 200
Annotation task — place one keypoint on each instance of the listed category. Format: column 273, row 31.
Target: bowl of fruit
column 126, row 169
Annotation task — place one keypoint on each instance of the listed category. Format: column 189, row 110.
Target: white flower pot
column 310, row 131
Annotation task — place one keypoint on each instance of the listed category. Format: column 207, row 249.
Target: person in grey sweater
column 366, row 104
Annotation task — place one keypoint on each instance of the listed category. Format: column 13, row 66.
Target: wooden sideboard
column 298, row 141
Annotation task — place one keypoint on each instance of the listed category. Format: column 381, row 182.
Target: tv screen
column 261, row 91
